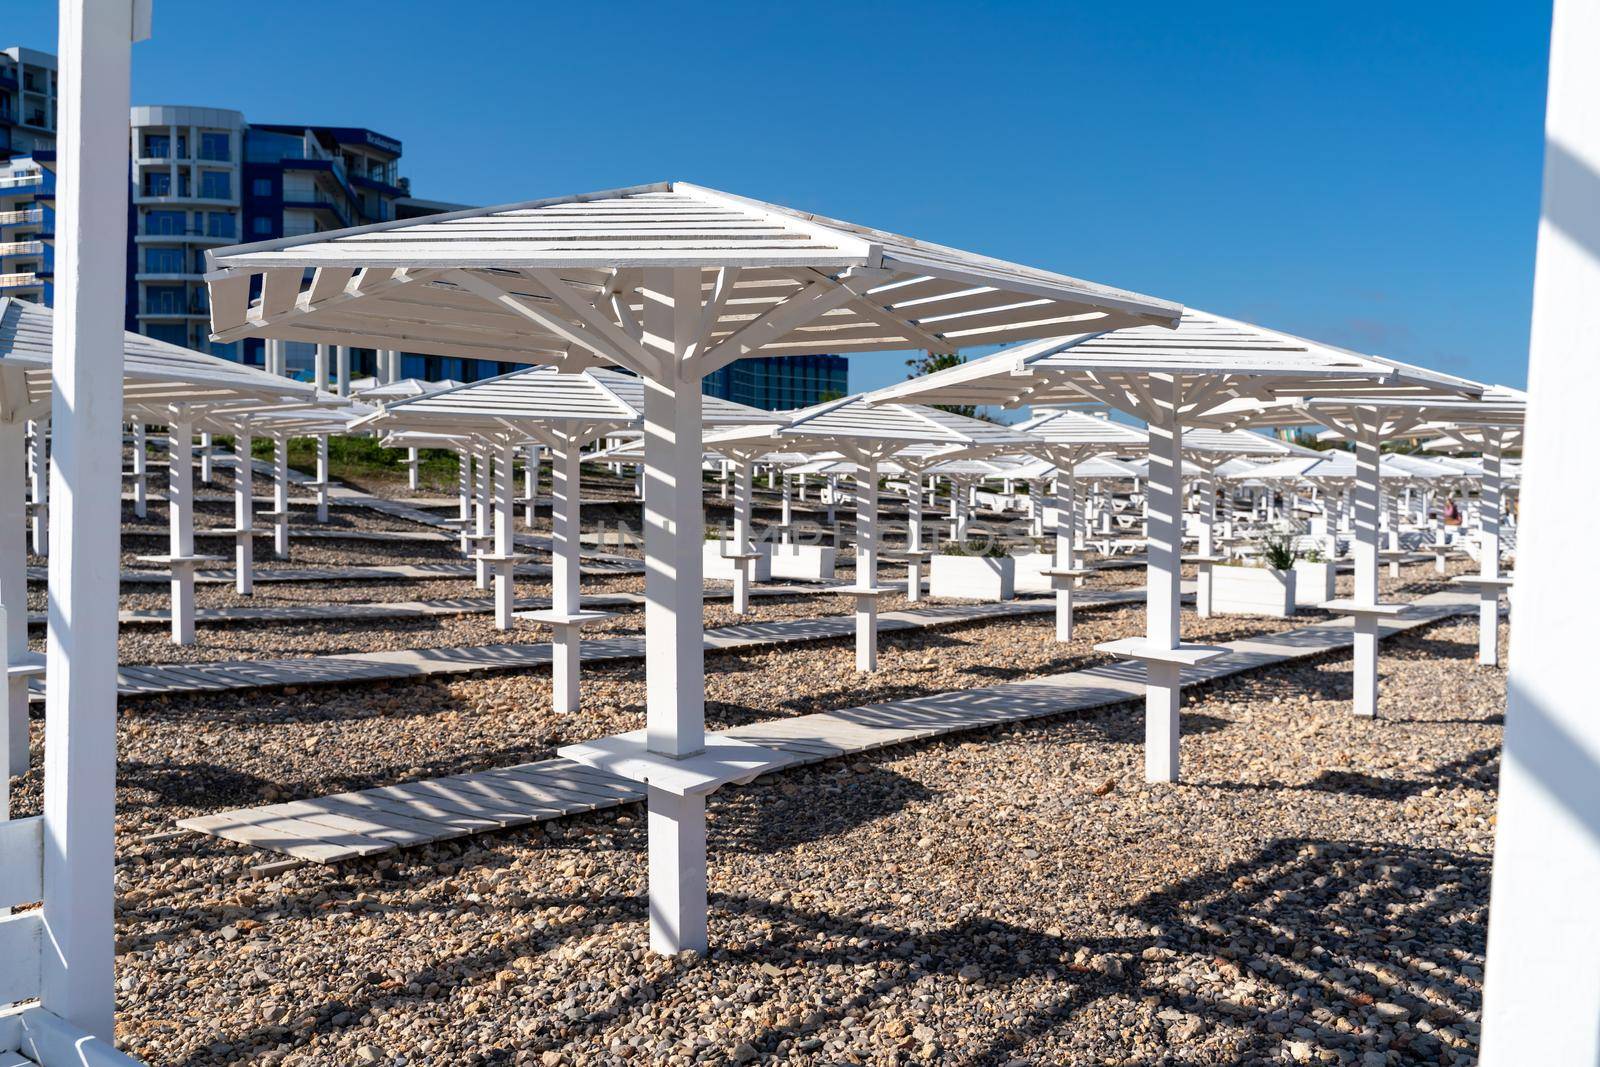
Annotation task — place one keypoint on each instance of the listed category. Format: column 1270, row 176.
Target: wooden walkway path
column 235, row 675
column 360, row 823
column 400, row 572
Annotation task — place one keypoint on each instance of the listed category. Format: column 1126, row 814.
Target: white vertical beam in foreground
column 913, row 537
column 341, row 370
column 322, row 477
column 1542, row 994
column 39, row 483
column 1364, row 494
column 530, row 484
column 505, row 582
column 565, row 489
column 867, row 564
column 1164, row 511
column 180, row 523
column 1066, row 501
column 675, row 667
column 80, row 769
column 280, row 496
column 244, row 509
column 743, row 474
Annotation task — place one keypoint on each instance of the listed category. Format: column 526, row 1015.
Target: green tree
column 928, row 363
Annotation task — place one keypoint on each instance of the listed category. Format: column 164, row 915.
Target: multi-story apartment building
column 27, row 102
column 185, row 197
column 27, row 226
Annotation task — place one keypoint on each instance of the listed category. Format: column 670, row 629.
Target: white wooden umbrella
column 1169, row 379
column 672, row 281
column 374, row 391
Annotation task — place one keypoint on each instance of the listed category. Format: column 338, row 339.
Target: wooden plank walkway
column 234, row 675
column 400, row 572
column 361, row 823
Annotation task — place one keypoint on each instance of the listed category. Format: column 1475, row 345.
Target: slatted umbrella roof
column 371, row 389
column 155, row 373
column 851, row 426
column 595, row 398
column 1339, row 465
column 558, row 278
column 1226, row 363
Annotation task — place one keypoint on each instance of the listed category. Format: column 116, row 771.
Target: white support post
column 180, row 523
column 1364, row 496
column 961, row 502
column 14, row 593
column 244, row 510
column 867, row 564
column 141, row 467
column 80, row 761
column 1066, row 521
column 481, row 517
column 505, row 584
column 1036, row 507
column 1489, row 549
column 205, row 456
column 786, row 519
column 464, row 493
column 319, row 367
column 722, row 488
column 322, row 478
column 675, row 669
column 1391, row 502
column 39, row 483
column 1163, row 503
column 1542, row 980
column 280, row 496
column 743, row 490
column 341, row 370
column 530, row 484
column 1208, row 541
column 565, row 578
column 914, row 539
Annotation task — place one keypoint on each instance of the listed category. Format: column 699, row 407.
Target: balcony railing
column 18, row 218
column 24, row 280
column 17, row 181
column 21, row 248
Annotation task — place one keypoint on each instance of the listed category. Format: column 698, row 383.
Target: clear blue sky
column 1365, row 173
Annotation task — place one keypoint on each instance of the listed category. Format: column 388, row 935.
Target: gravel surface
column 1314, row 892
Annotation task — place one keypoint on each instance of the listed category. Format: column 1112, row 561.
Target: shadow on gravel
column 1288, row 942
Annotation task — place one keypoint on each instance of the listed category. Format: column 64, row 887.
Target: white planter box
column 972, row 577
column 1030, row 568
column 719, row 568
column 1313, row 582
column 1252, row 591
column 807, row 563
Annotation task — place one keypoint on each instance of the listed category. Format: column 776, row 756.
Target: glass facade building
column 778, row 383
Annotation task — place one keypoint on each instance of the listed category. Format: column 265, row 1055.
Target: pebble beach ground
column 1315, row 890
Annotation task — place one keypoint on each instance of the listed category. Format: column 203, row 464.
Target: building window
column 157, row 146
column 216, row 147
column 163, row 300
column 219, row 224
column 216, row 185
column 174, row 333
column 158, row 183
column 261, row 226
column 261, row 187
column 163, row 261
column 163, row 223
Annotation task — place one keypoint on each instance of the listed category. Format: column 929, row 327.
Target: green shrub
column 1278, row 552
column 986, row 548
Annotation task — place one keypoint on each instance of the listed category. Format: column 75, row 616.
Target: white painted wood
column 21, row 862
column 205, row 455
column 530, row 485
column 14, row 595
column 180, row 522
column 1314, row 582
column 280, row 496
column 742, row 499
column 982, row 578
column 566, row 492
column 76, row 979
column 39, row 485
column 244, row 508
column 482, row 513
column 319, row 366
column 1364, row 497
column 1240, row 590
column 1542, row 980
column 800, row 562
column 22, row 949
column 867, row 563
column 341, row 370
column 1164, row 526
column 505, row 587
column 141, row 458
column 675, row 668
column 1490, row 493
column 322, row 477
